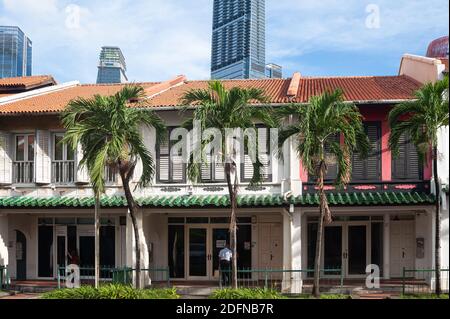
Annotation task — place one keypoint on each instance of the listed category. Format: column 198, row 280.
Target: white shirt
column 225, row 254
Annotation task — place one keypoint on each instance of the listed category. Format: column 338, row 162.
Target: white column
column 294, row 162
column 287, row 244
column 386, row 246
column 296, row 251
column 4, row 260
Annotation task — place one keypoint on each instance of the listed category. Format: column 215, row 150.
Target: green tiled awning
column 335, row 199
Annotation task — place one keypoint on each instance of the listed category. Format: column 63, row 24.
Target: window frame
column 377, row 153
column 170, row 170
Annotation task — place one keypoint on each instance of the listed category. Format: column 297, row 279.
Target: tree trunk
column 97, row 241
column 316, row 284
column 133, row 210
column 232, row 190
column 437, row 243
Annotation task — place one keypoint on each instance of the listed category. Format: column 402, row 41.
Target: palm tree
column 324, row 117
column 222, row 109
column 109, row 131
column 421, row 119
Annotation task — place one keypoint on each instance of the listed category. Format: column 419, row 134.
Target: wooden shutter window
column 332, row 166
column 369, row 169
column 406, row 166
column 263, row 152
column 170, row 169
column 5, row 158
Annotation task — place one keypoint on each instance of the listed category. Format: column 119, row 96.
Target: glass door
column 61, row 248
column 357, row 250
column 198, row 256
column 220, row 237
column 332, row 252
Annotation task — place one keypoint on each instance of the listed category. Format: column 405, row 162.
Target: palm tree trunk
column 97, row 240
column 232, row 190
column 316, row 284
column 437, row 244
column 137, row 241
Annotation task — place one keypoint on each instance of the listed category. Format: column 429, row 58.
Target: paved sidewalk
column 22, row 296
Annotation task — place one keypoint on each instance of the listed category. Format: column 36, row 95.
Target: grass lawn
column 424, row 296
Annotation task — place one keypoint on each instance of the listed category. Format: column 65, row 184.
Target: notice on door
column 221, row 243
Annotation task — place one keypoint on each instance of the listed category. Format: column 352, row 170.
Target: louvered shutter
column 414, row 167
column 5, row 158
column 219, row 172
column 206, row 169
column 332, row 166
column 369, row 168
column 82, row 173
column 163, row 161
column 263, row 154
column 43, row 160
column 406, row 165
column 177, row 169
column 146, row 135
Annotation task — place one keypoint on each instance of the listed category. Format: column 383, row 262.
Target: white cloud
column 159, row 38
column 163, row 38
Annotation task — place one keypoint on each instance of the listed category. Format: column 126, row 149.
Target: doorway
column 204, row 243
column 346, row 248
column 402, row 253
column 21, row 256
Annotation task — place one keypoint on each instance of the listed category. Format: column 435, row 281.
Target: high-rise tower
column 238, row 41
column 112, row 67
column 15, row 52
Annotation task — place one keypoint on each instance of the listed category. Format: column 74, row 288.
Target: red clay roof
column 275, row 90
column 357, row 89
column 26, row 82
column 56, row 101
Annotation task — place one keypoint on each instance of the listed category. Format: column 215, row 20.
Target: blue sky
column 164, row 38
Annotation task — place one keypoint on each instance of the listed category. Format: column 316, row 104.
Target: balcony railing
column 63, row 172
column 23, row 172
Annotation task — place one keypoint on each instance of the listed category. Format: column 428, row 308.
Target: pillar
column 386, row 246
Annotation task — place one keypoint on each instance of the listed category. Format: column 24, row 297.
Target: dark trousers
column 226, row 272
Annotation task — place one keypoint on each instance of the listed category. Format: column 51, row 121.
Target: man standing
column 225, row 256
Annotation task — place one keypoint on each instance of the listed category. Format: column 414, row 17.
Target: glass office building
column 15, row 52
column 238, row 41
column 274, row 71
column 112, row 66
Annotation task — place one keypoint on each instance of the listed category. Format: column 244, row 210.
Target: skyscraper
column 274, row 71
column 238, row 41
column 112, row 67
column 15, row 52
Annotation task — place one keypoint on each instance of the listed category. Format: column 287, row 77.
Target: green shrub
column 112, row 291
column 246, row 293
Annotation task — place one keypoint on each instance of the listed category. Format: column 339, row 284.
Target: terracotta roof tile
column 357, row 89
column 275, row 90
column 56, row 101
column 371, row 88
column 26, row 81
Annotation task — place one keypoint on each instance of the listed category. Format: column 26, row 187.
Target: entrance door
column 333, row 238
column 271, row 254
column 402, row 247
column 21, row 256
column 61, row 248
column 357, row 250
column 220, row 237
column 198, row 255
